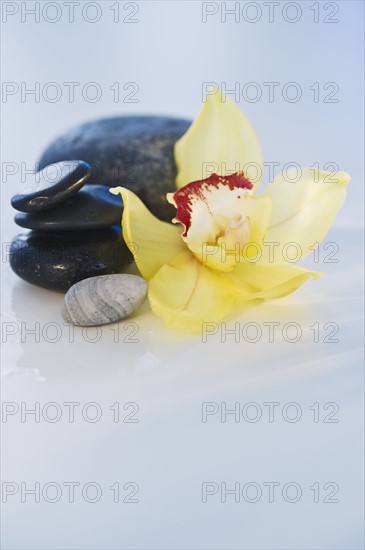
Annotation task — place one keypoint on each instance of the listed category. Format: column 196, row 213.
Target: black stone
column 58, row 260
column 93, row 207
column 52, row 185
column 134, row 151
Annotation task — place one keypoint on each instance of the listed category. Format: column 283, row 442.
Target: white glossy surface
column 170, row 452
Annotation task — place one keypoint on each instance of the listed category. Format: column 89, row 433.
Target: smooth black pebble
column 52, row 185
column 58, row 260
column 136, row 152
column 93, row 207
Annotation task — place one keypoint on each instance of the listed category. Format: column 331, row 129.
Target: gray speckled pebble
column 105, row 299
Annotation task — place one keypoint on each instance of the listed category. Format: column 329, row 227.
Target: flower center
column 235, row 235
column 213, row 214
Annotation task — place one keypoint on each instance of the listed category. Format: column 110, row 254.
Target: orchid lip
column 199, row 191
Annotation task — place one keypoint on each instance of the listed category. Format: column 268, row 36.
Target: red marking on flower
column 183, row 198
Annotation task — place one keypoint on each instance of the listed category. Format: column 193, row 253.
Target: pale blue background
column 169, row 53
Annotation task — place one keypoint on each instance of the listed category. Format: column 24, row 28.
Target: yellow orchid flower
column 228, row 244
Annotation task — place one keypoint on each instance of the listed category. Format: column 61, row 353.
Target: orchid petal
column 152, row 242
column 220, row 140
column 303, row 210
column 267, row 282
column 186, row 294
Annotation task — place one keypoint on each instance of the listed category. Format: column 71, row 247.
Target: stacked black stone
column 72, row 235
column 72, row 214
